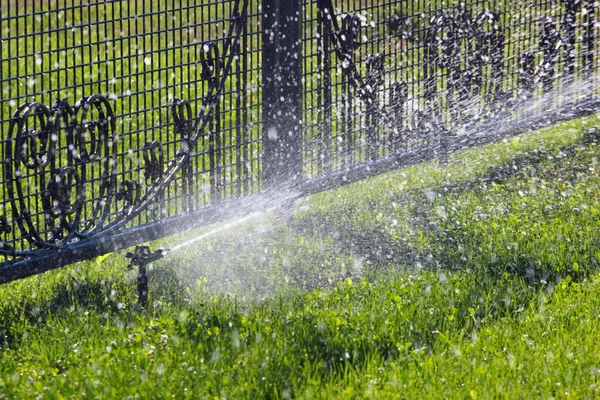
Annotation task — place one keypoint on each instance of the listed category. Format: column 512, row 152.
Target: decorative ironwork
column 398, row 99
column 182, row 116
column 129, row 194
column 154, row 160
column 43, row 181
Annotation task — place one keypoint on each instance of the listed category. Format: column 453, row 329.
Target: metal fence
column 390, row 83
column 122, row 122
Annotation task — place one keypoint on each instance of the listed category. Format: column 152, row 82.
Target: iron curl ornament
column 182, row 114
column 93, row 143
column 129, row 194
column 49, row 152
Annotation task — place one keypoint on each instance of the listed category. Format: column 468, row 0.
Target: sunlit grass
column 317, row 309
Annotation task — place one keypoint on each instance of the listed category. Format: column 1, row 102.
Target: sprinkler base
column 141, row 257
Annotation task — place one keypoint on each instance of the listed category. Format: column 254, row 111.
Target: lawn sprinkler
column 141, row 257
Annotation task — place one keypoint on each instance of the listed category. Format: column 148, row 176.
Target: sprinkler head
column 142, row 256
column 162, row 252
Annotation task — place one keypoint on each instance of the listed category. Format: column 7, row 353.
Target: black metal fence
column 393, row 82
column 122, row 122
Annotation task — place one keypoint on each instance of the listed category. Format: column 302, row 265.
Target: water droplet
column 431, row 196
column 272, row 133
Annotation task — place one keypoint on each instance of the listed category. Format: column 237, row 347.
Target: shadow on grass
column 62, row 292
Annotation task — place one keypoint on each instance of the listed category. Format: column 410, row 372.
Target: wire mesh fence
column 120, row 121
column 115, row 114
column 392, row 77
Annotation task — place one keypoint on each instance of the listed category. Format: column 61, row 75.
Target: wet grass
column 475, row 279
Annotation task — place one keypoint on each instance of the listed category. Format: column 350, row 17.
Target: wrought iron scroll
column 30, row 148
column 129, row 194
column 374, row 81
column 181, row 111
column 35, row 169
column 210, row 73
column 398, row 99
column 93, row 140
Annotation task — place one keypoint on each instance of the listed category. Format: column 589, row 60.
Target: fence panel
column 116, row 115
column 392, row 82
column 122, row 122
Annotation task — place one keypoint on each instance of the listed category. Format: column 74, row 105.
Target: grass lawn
column 475, row 279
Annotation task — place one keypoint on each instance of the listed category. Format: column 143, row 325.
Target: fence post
column 282, row 93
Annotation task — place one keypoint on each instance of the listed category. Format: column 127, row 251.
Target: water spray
column 142, row 256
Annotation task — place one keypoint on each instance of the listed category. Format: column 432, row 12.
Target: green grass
column 456, row 281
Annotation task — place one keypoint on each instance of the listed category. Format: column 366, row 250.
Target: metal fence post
column 282, row 93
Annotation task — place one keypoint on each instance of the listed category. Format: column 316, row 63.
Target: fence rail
column 123, row 122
